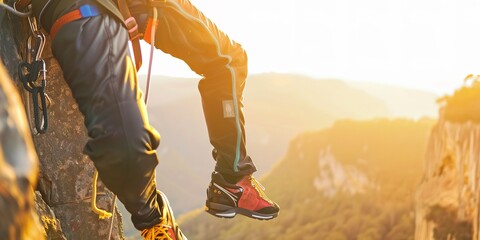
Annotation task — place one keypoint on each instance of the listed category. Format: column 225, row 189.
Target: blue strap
column 88, row 10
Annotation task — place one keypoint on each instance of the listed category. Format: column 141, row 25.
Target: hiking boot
column 246, row 197
column 167, row 229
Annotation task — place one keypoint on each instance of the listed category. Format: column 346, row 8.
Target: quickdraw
column 31, row 70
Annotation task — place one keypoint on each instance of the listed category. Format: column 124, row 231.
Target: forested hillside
column 354, row 180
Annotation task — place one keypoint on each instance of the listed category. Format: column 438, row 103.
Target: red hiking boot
column 247, row 197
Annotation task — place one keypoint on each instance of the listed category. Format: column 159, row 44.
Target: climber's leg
column 94, row 57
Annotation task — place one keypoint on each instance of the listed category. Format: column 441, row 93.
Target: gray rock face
column 65, row 181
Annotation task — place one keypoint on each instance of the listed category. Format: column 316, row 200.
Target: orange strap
column 130, row 24
column 151, row 24
column 69, row 17
column 84, row 11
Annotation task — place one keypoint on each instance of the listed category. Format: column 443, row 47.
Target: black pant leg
column 185, row 33
column 94, row 57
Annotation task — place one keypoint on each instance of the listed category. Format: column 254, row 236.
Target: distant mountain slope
column 401, row 102
column 306, row 103
column 277, row 108
column 354, row 180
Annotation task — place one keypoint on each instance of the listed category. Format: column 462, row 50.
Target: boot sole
column 225, row 211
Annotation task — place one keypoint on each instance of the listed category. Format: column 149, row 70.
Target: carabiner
column 41, row 45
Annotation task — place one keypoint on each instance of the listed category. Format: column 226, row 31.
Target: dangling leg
column 185, row 33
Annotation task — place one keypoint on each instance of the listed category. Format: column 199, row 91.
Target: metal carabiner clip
column 35, row 47
column 30, row 49
column 33, row 25
column 43, row 71
column 39, row 46
column 43, row 74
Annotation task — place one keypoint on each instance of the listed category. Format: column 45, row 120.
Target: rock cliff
column 448, row 198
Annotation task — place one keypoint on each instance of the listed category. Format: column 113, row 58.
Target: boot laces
column 260, row 189
column 157, row 232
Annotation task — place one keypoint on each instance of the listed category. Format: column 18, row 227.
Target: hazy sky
column 426, row 44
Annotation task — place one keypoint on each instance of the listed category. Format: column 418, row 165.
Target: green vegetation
column 389, row 152
column 447, row 225
column 464, row 104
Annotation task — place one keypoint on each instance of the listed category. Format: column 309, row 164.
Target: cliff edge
column 447, row 200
